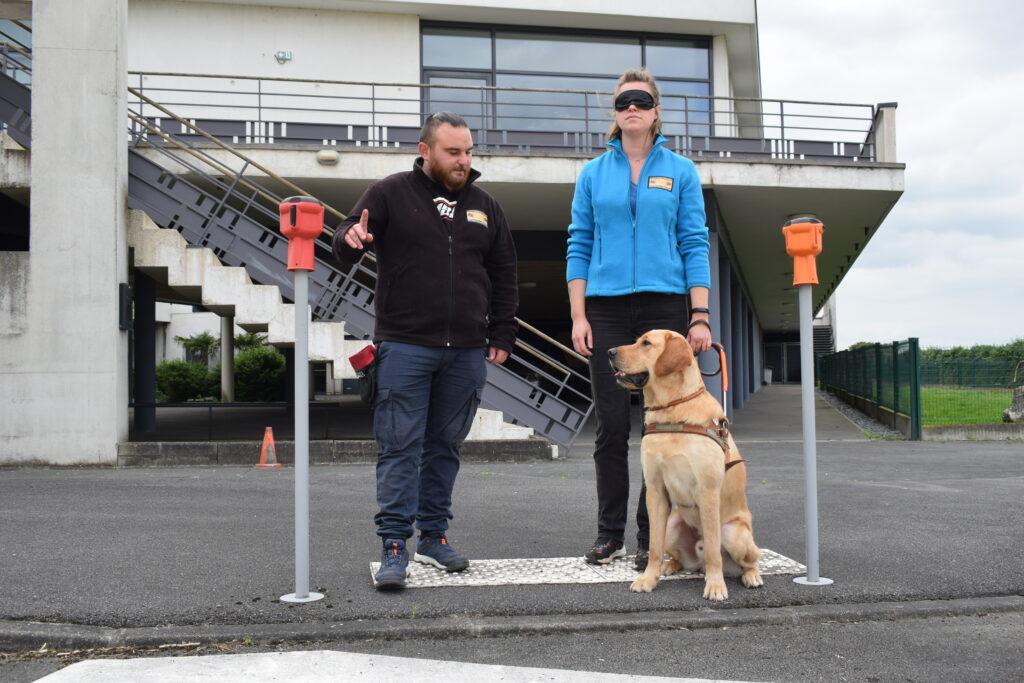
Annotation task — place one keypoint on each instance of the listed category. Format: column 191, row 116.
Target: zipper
column 451, row 282
column 633, row 216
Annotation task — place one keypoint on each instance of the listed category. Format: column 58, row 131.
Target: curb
column 348, row 451
column 29, row 635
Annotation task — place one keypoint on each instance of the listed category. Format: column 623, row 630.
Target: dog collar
column 678, row 400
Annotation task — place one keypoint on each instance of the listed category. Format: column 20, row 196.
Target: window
column 464, row 58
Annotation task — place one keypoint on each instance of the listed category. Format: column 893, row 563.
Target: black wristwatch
column 699, row 309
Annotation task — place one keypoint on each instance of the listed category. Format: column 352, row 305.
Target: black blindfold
column 641, row 98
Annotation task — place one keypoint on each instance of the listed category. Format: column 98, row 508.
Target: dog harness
column 717, row 432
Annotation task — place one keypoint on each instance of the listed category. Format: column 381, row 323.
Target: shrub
column 260, row 375
column 180, row 381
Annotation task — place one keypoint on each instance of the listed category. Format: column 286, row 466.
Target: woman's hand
column 699, row 337
column 582, row 337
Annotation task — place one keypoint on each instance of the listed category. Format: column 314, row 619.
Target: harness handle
column 721, row 366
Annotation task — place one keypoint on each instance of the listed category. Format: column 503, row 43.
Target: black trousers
column 617, row 321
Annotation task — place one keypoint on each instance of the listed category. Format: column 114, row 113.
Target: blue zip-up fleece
column 664, row 249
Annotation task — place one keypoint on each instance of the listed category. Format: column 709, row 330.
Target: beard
column 454, row 182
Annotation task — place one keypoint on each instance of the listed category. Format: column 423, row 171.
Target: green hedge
column 259, row 376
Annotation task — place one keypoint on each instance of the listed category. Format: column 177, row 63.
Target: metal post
column 301, row 593
column 810, row 440
column 803, row 243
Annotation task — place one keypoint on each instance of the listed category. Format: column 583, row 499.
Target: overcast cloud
column 947, row 265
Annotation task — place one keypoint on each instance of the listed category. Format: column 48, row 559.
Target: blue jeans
column 426, row 400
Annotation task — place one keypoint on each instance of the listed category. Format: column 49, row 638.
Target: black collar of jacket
column 417, row 170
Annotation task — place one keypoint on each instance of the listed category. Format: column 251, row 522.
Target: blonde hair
column 637, row 76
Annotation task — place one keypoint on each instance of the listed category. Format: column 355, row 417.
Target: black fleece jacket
column 439, row 283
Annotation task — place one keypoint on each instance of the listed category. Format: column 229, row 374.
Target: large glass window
column 560, row 61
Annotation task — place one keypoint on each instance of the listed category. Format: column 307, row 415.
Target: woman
column 638, row 246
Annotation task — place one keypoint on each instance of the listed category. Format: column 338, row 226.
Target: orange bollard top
column 803, row 243
column 302, row 221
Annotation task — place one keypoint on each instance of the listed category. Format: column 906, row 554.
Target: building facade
column 330, row 94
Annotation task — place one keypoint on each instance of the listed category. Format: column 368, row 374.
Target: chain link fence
column 961, row 391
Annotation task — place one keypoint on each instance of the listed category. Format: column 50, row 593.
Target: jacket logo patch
column 660, row 182
column 477, row 217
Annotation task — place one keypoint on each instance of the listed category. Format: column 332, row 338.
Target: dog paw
column 752, row 578
column 643, row 585
column 715, row 591
column 670, row 567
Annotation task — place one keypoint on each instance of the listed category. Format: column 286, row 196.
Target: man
column 446, row 300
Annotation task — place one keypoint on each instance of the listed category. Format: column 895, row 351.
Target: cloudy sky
column 947, row 265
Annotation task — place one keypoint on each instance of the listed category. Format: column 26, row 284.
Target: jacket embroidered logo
column 660, row 182
column 477, row 217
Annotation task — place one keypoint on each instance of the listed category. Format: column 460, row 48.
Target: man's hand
column 496, row 356
column 358, row 234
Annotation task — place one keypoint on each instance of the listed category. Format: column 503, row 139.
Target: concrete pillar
column 725, row 337
column 145, row 352
column 707, row 361
column 885, row 132
column 227, row 359
column 71, row 360
column 737, row 362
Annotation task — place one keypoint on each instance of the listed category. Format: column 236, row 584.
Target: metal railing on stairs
column 213, row 203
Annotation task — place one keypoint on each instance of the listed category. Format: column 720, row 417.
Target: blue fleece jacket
column 663, row 249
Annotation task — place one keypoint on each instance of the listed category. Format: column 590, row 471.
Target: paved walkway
column 145, row 557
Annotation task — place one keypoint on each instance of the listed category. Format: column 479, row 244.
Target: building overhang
column 754, row 198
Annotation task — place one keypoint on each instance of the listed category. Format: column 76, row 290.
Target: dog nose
column 612, row 352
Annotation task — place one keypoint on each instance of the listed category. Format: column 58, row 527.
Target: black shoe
column 604, row 551
column 640, row 561
column 393, row 562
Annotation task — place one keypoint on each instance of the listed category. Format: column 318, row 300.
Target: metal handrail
column 693, row 115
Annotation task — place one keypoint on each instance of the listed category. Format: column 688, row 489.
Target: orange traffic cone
column 268, row 454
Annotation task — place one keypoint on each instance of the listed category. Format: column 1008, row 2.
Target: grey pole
column 301, row 593
column 810, row 441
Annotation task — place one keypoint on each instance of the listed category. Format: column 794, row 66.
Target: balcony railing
column 246, row 110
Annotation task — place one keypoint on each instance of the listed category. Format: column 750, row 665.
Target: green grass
column 946, row 406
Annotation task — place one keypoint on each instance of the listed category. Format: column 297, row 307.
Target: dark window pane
column 471, row 103
column 536, row 52
column 684, row 115
column 677, row 59
column 457, row 48
column 571, row 112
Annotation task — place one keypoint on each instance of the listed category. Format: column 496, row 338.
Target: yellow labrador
column 690, row 462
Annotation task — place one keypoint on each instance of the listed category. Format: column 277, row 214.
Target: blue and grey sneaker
column 393, row 561
column 435, row 550
column 604, row 551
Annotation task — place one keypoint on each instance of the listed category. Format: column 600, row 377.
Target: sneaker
column 604, row 551
column 640, row 561
column 393, row 561
column 436, row 551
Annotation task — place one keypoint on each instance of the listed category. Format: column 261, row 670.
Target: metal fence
column 961, row 391
column 881, row 380
column 247, row 110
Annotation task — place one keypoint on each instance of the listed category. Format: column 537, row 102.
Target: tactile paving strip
column 559, row 570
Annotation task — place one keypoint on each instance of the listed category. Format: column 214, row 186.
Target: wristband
column 699, row 309
column 699, row 322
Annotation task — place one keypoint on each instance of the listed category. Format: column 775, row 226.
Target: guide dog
column 690, row 462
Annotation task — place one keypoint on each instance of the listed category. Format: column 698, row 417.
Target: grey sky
column 947, row 265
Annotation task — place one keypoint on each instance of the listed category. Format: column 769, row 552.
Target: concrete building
column 329, row 95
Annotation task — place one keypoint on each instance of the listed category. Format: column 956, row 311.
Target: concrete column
column 737, row 362
column 885, row 132
column 72, row 359
column 707, row 361
column 725, row 337
column 145, row 351
column 227, row 359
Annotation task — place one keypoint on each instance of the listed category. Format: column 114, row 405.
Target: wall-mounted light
column 283, row 56
column 327, row 157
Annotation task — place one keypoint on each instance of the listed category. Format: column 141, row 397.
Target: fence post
column 877, row 396
column 895, row 379
column 915, row 388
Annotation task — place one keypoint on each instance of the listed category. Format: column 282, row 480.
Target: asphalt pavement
column 911, row 533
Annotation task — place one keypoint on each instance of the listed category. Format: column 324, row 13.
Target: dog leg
column 657, row 513
column 738, row 542
column 681, row 541
column 714, row 581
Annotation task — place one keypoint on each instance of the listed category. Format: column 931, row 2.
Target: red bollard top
column 803, row 243
column 302, row 221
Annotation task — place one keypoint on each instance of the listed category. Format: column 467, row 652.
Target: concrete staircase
column 198, row 275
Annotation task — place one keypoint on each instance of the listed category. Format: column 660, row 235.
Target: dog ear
column 675, row 355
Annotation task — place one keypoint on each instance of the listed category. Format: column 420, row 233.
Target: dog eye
column 646, row 342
